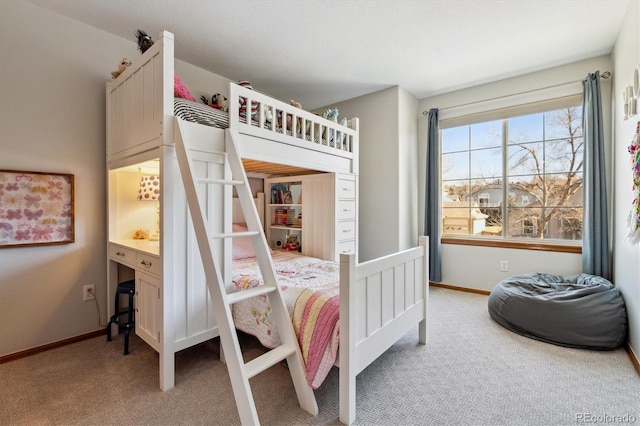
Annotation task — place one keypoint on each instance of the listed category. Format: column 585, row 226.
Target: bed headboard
column 238, row 215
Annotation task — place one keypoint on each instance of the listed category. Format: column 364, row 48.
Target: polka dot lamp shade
column 149, row 188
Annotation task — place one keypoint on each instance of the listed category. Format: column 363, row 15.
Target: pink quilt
column 310, row 288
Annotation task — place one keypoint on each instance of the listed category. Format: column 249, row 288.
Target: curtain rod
column 604, row 75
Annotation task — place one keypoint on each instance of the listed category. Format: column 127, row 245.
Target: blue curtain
column 432, row 197
column 595, row 234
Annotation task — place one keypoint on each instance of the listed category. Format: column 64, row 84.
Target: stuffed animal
column 144, row 41
column 121, row 67
column 243, row 101
column 218, row 101
column 180, row 90
column 290, row 117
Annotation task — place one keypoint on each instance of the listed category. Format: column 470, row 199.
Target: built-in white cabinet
column 167, row 317
column 148, row 308
column 320, row 210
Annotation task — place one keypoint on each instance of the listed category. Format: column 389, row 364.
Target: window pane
column 455, row 139
column 563, row 155
column 486, row 135
column 563, row 123
column 459, row 219
column 527, row 128
column 563, row 190
column 486, row 163
column 526, row 159
column 455, row 166
column 525, row 192
column 525, row 222
column 566, row 224
column 457, row 190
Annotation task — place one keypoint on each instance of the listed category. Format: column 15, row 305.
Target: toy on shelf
column 144, row 41
column 124, row 63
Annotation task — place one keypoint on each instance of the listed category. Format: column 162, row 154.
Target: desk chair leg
column 129, row 324
column 114, row 317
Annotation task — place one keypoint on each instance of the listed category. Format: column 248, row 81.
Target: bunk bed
column 380, row 300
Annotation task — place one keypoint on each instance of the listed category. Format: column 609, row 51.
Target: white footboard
column 380, row 301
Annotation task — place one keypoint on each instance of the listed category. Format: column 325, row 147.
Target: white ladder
column 239, row 371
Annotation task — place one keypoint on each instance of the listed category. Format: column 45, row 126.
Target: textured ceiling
column 320, row 52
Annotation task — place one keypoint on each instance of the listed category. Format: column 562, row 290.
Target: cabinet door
column 148, row 309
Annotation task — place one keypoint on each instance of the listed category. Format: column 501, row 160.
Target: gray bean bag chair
column 578, row 311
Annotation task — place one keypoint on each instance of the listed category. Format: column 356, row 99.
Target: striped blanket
column 315, row 316
column 310, row 289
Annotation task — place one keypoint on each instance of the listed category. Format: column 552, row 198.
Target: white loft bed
column 381, row 300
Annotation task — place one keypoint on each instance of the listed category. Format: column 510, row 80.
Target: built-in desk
column 142, row 258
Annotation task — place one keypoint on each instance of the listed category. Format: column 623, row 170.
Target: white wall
column 52, row 81
column 53, row 72
column 626, row 258
column 378, row 181
column 479, row 267
column 388, row 170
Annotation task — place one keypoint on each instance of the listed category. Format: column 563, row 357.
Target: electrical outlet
column 88, row 292
column 504, row 265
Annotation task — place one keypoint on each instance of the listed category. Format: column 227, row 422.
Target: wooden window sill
column 514, row 244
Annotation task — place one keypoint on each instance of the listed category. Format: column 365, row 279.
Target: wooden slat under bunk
column 253, row 166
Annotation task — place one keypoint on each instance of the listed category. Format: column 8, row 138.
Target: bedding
column 310, row 288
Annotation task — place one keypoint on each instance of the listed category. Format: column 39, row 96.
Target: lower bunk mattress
column 310, row 287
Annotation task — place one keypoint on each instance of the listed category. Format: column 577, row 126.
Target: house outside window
column 520, row 172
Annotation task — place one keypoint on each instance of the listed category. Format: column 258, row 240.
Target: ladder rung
column 241, row 295
column 235, row 234
column 268, row 359
column 220, row 181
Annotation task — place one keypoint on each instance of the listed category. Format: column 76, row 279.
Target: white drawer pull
column 346, row 189
column 346, row 230
column 145, row 263
column 346, row 210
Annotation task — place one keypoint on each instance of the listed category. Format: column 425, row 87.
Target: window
column 517, row 176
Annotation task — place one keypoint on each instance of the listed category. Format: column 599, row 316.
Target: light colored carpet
column 472, row 372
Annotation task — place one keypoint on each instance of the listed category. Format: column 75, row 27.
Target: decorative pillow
column 242, row 247
column 180, row 90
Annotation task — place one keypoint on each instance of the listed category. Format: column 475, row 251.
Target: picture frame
column 36, row 208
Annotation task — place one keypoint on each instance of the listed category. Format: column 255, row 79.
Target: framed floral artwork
column 36, row 208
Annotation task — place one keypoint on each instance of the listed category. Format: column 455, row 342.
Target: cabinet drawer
column 346, row 189
column 346, row 230
column 346, row 209
column 122, row 255
column 148, row 263
column 346, row 247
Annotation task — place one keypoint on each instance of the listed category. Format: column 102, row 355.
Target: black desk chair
column 127, row 287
